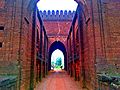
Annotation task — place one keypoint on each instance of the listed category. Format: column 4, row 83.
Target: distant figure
column 61, row 67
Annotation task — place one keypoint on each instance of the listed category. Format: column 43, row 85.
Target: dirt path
column 58, row 80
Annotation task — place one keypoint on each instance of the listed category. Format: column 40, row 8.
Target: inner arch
column 57, row 59
column 60, row 46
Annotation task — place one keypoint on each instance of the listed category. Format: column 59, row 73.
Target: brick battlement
column 57, row 15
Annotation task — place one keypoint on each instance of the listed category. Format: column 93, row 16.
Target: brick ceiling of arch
column 57, row 28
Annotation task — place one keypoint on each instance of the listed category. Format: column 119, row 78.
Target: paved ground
column 58, row 80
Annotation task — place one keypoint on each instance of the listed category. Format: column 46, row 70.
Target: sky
column 57, row 53
column 57, row 5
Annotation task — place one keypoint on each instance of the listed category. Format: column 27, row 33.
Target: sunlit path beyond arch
column 57, row 54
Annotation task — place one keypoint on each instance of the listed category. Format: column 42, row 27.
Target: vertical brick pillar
column 33, row 49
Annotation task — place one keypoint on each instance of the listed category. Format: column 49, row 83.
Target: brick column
column 80, row 28
column 33, row 49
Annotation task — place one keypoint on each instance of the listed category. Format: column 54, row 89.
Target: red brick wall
column 112, row 31
column 57, row 30
column 11, row 58
column 101, row 40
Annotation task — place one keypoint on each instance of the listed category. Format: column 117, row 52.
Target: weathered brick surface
column 57, row 30
column 101, row 40
column 10, row 18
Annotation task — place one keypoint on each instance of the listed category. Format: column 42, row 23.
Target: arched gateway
column 57, row 45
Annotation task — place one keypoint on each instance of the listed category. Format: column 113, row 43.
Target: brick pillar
column 80, row 28
column 33, row 49
column 73, row 54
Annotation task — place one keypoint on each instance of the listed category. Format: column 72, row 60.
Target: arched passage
column 57, row 45
column 57, row 59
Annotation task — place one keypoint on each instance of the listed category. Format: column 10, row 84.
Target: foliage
column 58, row 61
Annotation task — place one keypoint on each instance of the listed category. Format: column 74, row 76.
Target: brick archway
column 57, row 45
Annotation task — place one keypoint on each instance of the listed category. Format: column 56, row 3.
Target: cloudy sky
column 57, row 5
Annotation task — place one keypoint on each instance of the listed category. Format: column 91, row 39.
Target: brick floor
column 58, row 80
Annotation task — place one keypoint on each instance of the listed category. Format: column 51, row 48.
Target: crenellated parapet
column 62, row 15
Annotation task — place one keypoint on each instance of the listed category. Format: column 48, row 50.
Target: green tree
column 58, row 61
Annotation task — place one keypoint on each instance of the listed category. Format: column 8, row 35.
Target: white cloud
column 57, row 5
